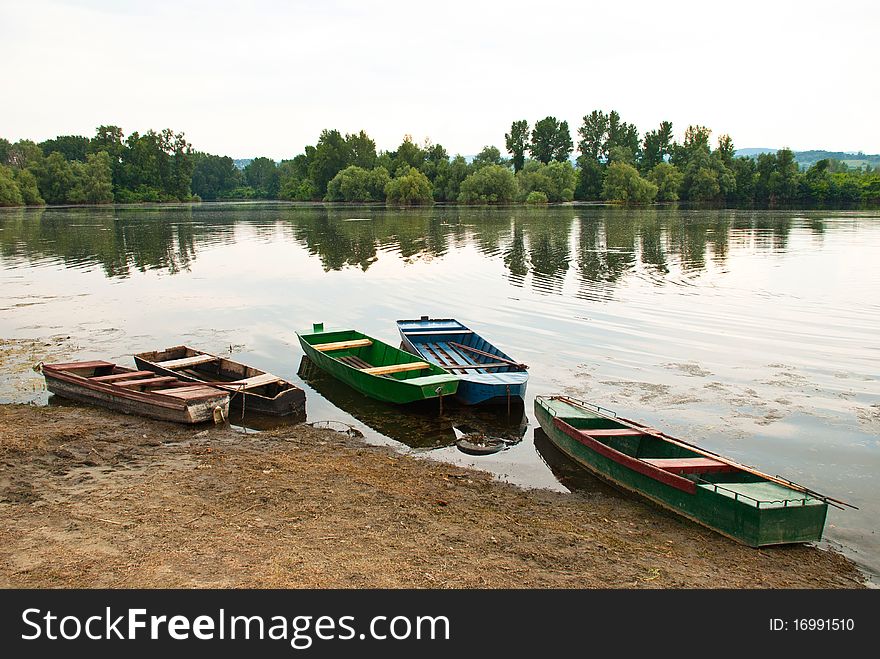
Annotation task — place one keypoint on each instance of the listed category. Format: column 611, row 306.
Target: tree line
column 614, row 162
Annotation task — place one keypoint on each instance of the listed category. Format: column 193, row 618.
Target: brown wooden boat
column 131, row 391
column 256, row 390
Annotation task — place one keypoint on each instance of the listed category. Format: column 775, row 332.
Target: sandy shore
column 90, row 498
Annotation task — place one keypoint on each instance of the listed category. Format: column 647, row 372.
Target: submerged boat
column 132, row 391
column 250, row 388
column 374, row 368
column 487, row 374
column 735, row 500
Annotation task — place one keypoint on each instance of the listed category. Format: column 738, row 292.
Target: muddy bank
column 90, row 498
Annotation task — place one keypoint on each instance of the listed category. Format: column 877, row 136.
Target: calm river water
column 754, row 334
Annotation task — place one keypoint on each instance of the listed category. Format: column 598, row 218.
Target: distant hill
column 241, row 163
column 806, row 159
column 751, row 153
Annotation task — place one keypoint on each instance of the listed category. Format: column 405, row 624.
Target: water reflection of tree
column 605, row 251
column 609, row 243
column 653, row 250
column 549, row 253
column 116, row 239
column 515, row 256
column 338, row 243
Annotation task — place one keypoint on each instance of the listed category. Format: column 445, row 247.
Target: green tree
column 745, row 173
column 294, row 181
column 490, row 155
column 489, row 184
column 29, row 188
column 362, row 150
column 436, row 159
column 411, row 188
column 332, row 154
column 623, row 183
column 56, row 179
column 408, row 155
column 696, row 144
column 590, row 177
column 95, row 184
column 358, row 184
column 5, row 147
column 557, row 180
column 449, row 177
column 593, row 135
column 10, row 195
column 24, row 154
column 262, row 175
column 784, row 180
column 551, row 140
column 112, row 140
column 656, row 146
column 156, row 166
column 516, row 142
column 536, row 197
column 622, row 143
column 214, row 176
column 72, row 147
column 668, row 180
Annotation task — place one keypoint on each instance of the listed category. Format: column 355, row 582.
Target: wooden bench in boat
column 396, row 368
column 254, row 382
column 173, row 364
column 342, row 345
column 613, row 432
column 190, row 392
column 122, row 376
column 146, row 382
column 690, row 465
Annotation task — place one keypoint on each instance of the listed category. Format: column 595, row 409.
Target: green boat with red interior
column 374, row 368
column 735, row 500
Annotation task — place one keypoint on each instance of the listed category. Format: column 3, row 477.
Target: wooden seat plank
column 148, row 382
column 183, row 362
column 699, row 465
column 121, row 376
column 73, row 366
column 192, row 394
column 342, row 345
column 185, row 388
column 251, row 383
column 611, row 432
column 396, row 368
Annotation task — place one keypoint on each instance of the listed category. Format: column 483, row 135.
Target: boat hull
column 719, row 506
column 283, row 399
column 162, row 408
column 402, row 388
column 501, row 387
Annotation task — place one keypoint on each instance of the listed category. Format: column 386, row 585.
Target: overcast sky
column 259, row 78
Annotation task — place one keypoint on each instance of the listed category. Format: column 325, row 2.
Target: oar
column 488, row 354
column 733, row 463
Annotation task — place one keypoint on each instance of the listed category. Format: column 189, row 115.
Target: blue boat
column 487, row 374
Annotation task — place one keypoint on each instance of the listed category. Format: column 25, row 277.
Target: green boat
column 374, row 368
column 735, row 500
